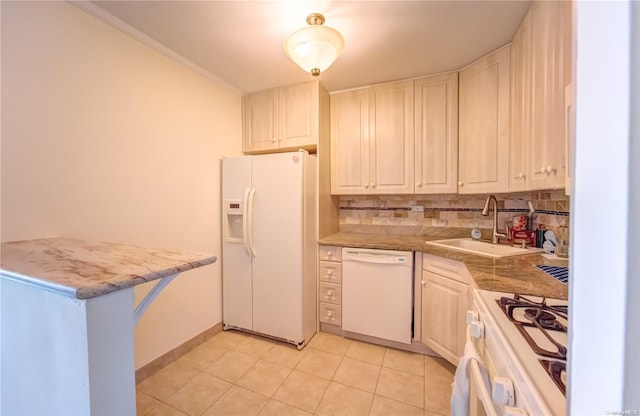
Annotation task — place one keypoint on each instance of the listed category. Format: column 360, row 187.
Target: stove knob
column 502, row 391
column 477, row 329
column 514, row 411
column 471, row 316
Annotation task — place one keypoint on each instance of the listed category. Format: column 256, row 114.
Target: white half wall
column 603, row 359
column 105, row 139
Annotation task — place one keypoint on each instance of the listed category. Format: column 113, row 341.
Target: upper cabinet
column 484, row 125
column 541, row 70
column 350, row 142
column 282, row 119
column 499, row 125
column 436, row 134
column 551, row 49
column 520, row 135
column 372, row 140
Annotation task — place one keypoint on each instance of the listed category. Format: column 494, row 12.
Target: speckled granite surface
column 83, row 269
column 515, row 274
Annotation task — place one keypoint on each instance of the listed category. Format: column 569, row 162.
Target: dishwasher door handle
column 375, row 258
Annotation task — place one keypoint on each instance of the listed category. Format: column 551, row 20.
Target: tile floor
column 239, row 374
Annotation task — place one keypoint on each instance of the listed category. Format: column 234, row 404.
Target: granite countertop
column 516, row 274
column 83, row 269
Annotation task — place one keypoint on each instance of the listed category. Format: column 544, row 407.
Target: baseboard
column 170, row 356
column 415, row 346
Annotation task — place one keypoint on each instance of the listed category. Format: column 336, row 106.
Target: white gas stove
column 523, row 342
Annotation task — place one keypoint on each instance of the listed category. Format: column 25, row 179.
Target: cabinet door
column 484, row 125
column 444, row 306
column 569, row 95
column 350, row 142
column 260, row 121
column 391, row 138
column 436, row 134
column 520, row 106
column 298, row 115
column 547, row 147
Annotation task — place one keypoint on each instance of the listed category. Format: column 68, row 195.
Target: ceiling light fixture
column 315, row 47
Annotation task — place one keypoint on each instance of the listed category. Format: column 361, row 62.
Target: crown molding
column 146, row 40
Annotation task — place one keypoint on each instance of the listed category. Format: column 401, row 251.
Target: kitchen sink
column 482, row 248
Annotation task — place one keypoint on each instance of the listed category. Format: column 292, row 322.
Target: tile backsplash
column 444, row 213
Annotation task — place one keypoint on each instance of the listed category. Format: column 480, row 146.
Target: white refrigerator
column 269, row 245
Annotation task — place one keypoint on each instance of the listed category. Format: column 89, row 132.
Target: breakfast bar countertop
column 84, row 269
column 515, row 274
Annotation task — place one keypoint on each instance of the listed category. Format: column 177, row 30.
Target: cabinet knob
column 543, row 169
column 460, row 183
column 521, row 175
column 329, row 272
column 366, row 185
column 419, row 184
column 329, row 254
column 549, row 169
column 274, row 139
column 373, row 184
column 423, row 282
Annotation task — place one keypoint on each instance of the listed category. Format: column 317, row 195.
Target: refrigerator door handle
column 252, row 250
column 245, row 221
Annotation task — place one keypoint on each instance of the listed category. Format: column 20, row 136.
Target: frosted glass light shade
column 314, row 48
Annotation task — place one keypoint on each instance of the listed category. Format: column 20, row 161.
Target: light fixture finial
column 315, row 19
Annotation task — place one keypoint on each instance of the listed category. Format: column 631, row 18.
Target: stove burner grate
column 556, row 369
column 539, row 315
column 544, row 318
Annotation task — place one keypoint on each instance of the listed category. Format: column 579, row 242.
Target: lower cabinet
column 445, row 301
column 440, row 305
column 330, row 285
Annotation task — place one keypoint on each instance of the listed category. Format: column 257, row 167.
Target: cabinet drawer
column 331, row 293
column 330, row 271
column 445, row 267
column 330, row 313
column 331, row 253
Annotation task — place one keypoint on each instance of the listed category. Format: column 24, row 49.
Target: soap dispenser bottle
column 475, row 233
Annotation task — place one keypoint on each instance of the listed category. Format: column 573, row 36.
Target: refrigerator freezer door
column 236, row 265
column 278, row 241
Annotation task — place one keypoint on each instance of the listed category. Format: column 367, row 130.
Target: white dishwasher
column 377, row 293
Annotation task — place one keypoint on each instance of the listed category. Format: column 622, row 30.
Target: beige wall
column 105, row 139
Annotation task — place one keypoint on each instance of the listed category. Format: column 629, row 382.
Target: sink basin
column 482, row 248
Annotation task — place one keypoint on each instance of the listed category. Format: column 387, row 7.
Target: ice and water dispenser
column 233, row 223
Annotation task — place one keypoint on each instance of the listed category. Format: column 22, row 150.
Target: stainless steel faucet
column 495, row 236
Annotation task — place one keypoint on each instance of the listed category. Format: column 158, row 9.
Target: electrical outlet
column 417, row 208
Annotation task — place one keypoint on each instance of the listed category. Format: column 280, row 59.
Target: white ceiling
column 241, row 42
